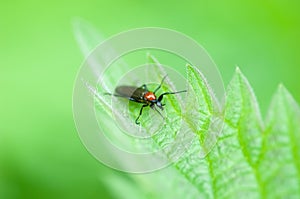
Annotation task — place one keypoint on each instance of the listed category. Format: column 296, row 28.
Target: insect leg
column 160, row 84
column 153, row 107
column 169, row 93
column 141, row 111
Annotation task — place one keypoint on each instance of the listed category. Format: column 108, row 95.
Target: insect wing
column 131, row 92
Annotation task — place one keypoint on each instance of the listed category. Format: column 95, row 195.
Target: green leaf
column 247, row 160
column 203, row 117
column 233, row 160
column 242, row 117
column 280, row 160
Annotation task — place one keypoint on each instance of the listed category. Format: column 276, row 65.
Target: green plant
column 252, row 158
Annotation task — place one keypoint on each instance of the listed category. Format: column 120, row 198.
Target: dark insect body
column 144, row 96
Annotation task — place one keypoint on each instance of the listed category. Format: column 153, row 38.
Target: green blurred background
column 41, row 155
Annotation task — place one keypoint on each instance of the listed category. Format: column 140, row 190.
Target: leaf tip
column 282, row 93
column 238, row 76
column 281, row 90
column 238, row 70
column 281, row 87
column 151, row 58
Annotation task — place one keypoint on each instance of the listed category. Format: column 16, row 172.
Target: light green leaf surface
column 199, row 113
column 280, row 161
column 232, row 161
column 248, row 159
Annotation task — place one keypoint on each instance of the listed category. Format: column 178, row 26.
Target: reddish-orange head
column 150, row 96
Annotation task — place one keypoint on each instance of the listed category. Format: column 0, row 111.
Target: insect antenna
column 169, row 93
column 162, row 81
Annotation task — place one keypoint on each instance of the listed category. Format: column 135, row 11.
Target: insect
column 144, row 96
